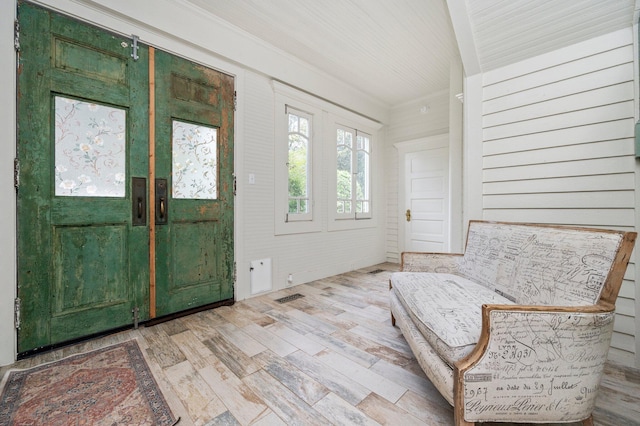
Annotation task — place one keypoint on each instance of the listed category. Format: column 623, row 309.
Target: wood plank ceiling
column 508, row 31
column 401, row 50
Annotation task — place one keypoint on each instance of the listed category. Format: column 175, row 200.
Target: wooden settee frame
column 447, row 262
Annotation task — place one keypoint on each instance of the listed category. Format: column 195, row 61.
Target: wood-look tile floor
column 330, row 357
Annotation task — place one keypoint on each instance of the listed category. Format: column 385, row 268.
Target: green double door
column 125, row 181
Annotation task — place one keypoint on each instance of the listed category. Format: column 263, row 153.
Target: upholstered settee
column 518, row 328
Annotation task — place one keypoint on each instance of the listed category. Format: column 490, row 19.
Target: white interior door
column 427, row 200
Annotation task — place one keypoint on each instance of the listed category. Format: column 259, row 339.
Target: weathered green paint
column 194, row 250
column 82, row 267
column 92, row 255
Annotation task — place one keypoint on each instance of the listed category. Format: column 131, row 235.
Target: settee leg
column 458, row 418
column 588, row 421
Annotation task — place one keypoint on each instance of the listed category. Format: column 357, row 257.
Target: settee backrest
column 546, row 265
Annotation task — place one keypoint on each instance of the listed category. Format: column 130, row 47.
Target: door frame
column 455, row 214
column 8, row 214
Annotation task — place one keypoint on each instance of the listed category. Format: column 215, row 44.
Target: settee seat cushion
column 446, row 309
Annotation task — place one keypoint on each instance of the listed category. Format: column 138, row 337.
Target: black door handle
column 139, row 201
column 162, row 212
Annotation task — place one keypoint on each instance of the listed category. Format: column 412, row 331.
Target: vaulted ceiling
column 401, row 50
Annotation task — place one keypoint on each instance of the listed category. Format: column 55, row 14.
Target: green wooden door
column 194, row 156
column 82, row 136
column 84, row 227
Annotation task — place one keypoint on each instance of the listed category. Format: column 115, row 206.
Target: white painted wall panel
column 556, row 200
column 628, row 289
column 624, row 343
column 560, row 105
column 625, row 306
column 560, row 71
column 307, row 256
column 624, row 324
column 599, row 114
column 558, row 147
column 592, row 132
column 611, row 182
column 599, row 166
column 602, row 218
column 392, row 250
column 590, row 81
column 611, row 148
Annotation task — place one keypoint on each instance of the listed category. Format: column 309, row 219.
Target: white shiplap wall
column 407, row 122
column 306, row 256
column 558, row 147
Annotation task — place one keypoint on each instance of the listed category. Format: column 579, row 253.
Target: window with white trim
column 298, row 163
column 353, row 174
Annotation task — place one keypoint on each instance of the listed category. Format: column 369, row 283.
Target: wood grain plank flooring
column 330, row 357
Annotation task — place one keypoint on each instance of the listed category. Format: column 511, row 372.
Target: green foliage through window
column 299, row 162
column 353, row 174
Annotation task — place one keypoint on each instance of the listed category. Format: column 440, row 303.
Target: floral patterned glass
column 90, row 149
column 194, row 161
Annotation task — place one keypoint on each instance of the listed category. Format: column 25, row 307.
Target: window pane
column 293, row 123
column 362, row 175
column 293, row 206
column 90, row 149
column 194, row 154
column 304, row 126
column 362, row 207
column 298, row 164
column 344, row 176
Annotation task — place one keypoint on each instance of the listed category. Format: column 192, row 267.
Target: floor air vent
column 376, row 271
column 289, row 298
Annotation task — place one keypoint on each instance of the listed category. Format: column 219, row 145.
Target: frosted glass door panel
column 194, row 161
column 90, row 149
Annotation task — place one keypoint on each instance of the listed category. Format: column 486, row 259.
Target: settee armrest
column 431, row 262
column 534, row 364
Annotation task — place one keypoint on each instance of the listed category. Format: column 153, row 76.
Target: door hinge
column 235, row 100
column 235, row 185
column 134, row 47
column 16, row 173
column 16, row 35
column 235, row 272
column 16, row 308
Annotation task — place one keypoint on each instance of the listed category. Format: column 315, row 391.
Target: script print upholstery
column 540, row 266
column 539, row 365
column 446, row 309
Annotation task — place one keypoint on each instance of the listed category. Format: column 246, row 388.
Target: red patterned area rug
column 109, row 386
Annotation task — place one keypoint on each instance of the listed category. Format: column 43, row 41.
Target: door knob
column 408, row 215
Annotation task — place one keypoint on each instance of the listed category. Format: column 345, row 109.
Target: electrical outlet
column 290, row 279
